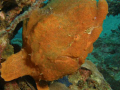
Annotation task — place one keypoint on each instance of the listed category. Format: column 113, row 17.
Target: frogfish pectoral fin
column 15, row 66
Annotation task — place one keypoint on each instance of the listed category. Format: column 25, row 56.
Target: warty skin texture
column 58, row 41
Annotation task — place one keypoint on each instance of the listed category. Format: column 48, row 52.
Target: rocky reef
column 106, row 52
column 114, row 8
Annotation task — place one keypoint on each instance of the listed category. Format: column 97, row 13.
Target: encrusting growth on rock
column 56, row 43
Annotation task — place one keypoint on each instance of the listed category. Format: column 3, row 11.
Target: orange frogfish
column 57, row 39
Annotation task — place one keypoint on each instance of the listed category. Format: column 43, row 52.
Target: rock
column 88, row 78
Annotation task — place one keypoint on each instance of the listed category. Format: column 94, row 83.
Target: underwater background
column 106, row 52
column 105, row 55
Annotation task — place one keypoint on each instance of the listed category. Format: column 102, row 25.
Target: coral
column 1, row 2
column 11, row 86
column 114, row 8
column 21, row 83
column 8, row 51
column 58, row 86
column 55, row 44
column 12, row 12
column 106, row 52
column 23, row 16
column 88, row 78
column 64, row 80
column 3, row 44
